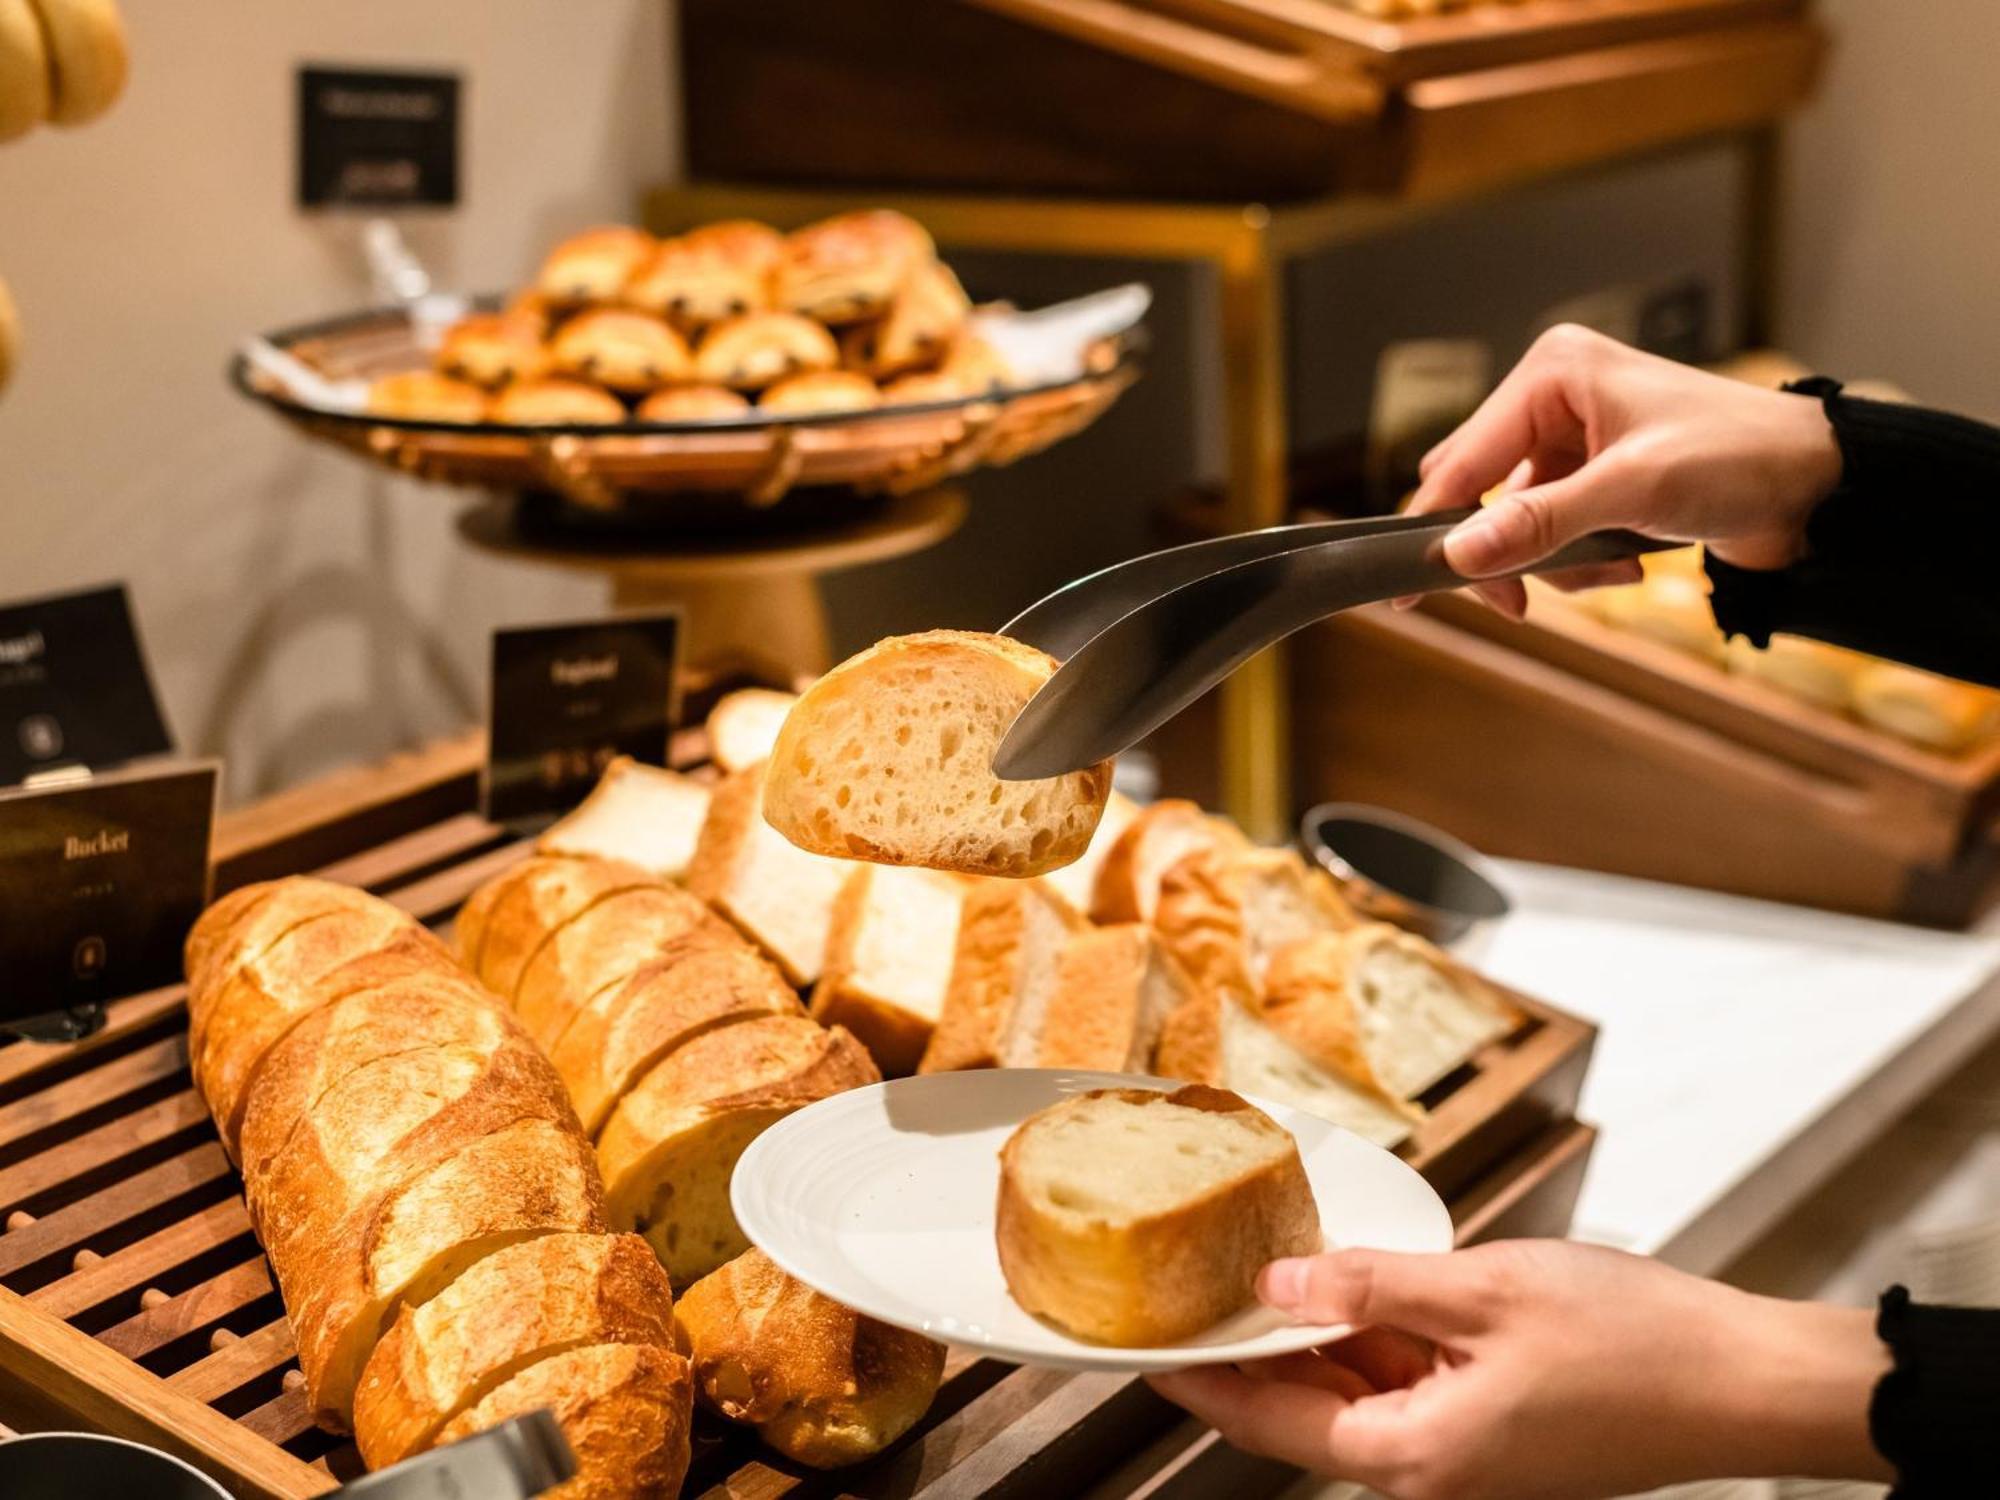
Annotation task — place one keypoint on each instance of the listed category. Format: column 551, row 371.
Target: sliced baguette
column 625, row 1408
column 822, row 1385
column 645, row 815
column 671, row 1144
column 1223, row 915
column 1010, row 940
column 1153, row 842
column 1382, row 1006
column 1113, row 991
column 499, row 935
column 889, row 960
column 521, row 1304
column 777, row 895
column 1134, row 1218
column 743, row 726
column 889, row 758
column 1076, row 882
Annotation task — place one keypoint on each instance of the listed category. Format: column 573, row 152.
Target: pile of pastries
column 848, row 314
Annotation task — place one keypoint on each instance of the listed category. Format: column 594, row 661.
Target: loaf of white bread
column 409, row 1155
column 1132, row 1217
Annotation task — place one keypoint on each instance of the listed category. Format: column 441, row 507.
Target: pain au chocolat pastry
column 924, row 387
column 633, row 352
column 709, row 274
column 822, row 391
column 927, row 314
column 593, row 266
column 492, row 349
column 553, row 401
column 749, row 353
column 425, row 396
column 976, row 365
column 692, row 403
column 847, row 268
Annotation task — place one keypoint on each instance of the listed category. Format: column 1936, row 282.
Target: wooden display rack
column 135, row 1301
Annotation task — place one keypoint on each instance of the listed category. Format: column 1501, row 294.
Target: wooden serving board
column 134, row 1299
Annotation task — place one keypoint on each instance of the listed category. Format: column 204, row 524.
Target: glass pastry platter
column 883, row 1199
column 1071, row 362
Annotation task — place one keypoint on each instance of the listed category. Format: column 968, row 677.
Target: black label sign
column 99, row 883
column 74, row 689
column 377, row 139
column 568, row 698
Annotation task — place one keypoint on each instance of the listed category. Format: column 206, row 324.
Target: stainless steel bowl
column 1397, row 869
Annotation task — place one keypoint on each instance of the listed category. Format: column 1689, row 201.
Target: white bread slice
column 743, row 726
column 889, row 757
column 1114, row 989
column 1384, row 1006
column 776, row 894
column 671, row 1144
column 1076, row 882
column 1157, row 839
column 646, row 815
column 1010, row 940
column 1133, row 1218
column 1224, row 915
column 889, row 960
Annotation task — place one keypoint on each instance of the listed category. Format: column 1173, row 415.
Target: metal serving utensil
column 1141, row 640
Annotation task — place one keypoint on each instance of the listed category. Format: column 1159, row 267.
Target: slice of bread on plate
column 889, row 960
column 777, row 895
column 743, row 726
column 889, row 758
column 1153, row 842
column 1137, row 1218
column 1011, row 935
column 646, row 815
column 1385, row 1005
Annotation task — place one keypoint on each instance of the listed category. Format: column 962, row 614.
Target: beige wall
column 1892, row 219
column 300, row 610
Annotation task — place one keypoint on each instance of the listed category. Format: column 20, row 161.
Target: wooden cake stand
column 751, row 600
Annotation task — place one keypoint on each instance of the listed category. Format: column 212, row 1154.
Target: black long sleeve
column 1903, row 559
column 1936, row 1414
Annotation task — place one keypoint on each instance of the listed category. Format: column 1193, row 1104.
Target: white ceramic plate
column 883, row 1198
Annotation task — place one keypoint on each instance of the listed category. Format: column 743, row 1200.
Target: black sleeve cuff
column 1936, row 1415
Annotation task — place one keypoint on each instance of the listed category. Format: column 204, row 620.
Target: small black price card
column 99, row 883
column 566, row 700
column 74, row 689
column 377, row 139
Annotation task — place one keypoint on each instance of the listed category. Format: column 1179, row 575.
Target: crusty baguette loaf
column 821, row 1384
column 743, row 726
column 777, row 895
column 519, row 1305
column 1382, row 1006
column 644, row 815
column 625, row 1408
column 1131, row 1217
column 671, row 1144
column 1222, row 915
column 1076, row 882
column 1010, row 939
column 505, row 923
column 1154, row 841
column 889, row 959
column 889, row 758
column 1114, row 989
column 1925, row 709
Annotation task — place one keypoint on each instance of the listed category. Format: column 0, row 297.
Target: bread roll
column 776, row 894
column 1223, row 916
column 25, row 89
column 627, row 351
column 554, row 401
column 1113, row 991
column 1382, row 1006
column 1926, row 709
column 692, row 403
column 87, row 57
column 1011, row 935
column 625, row 1408
column 671, row 1144
column 743, row 726
column 822, row 1385
column 492, row 349
column 718, row 271
column 1137, row 1218
column 849, row 267
column 1076, row 882
column 517, row 1306
column 889, row 757
column 1153, row 842
column 425, row 396
column 593, row 266
column 754, row 352
column 926, row 314
column 644, row 815
column 889, row 960
column 821, row 391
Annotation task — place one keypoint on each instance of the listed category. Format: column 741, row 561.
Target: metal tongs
column 1141, row 640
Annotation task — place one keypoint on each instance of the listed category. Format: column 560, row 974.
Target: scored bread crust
column 235, row 932
column 997, row 930
column 1222, row 914
column 1114, row 989
column 866, row 768
column 537, row 899
column 823, row 1385
column 533, row 1299
column 1128, row 881
column 1151, row 1278
column 626, row 1410
column 692, row 1115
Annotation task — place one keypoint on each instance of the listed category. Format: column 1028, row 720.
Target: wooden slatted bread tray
column 135, row 1301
